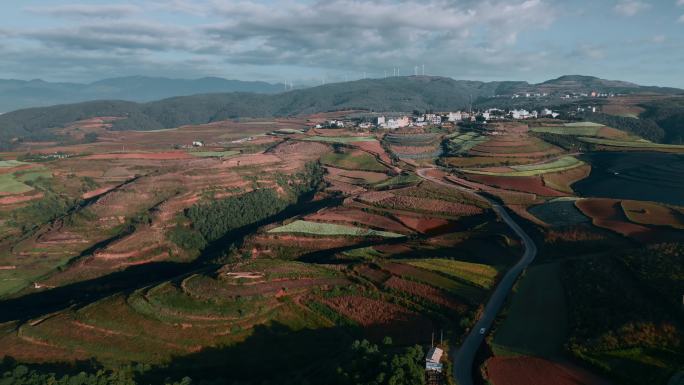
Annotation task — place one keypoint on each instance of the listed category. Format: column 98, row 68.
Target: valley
column 191, row 251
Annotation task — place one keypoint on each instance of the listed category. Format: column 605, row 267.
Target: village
column 443, row 119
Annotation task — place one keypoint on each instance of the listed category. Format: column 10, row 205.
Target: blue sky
column 308, row 41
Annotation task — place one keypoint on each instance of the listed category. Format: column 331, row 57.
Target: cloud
column 658, row 39
column 631, row 7
column 122, row 35
column 108, row 11
column 339, row 36
column 681, row 19
column 680, row 2
column 366, row 32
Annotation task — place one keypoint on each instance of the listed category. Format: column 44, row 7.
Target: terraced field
column 414, row 145
column 559, row 165
column 477, row 274
column 327, row 229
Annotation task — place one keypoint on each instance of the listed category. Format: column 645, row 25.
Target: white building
column 197, row 143
column 523, row 114
column 547, row 112
column 380, row 120
column 432, row 361
column 455, row 116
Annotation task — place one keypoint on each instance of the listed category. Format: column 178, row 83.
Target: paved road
column 465, row 356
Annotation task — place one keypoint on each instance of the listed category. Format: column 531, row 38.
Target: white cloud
column 468, row 37
column 105, row 11
column 658, row 39
column 631, row 7
column 681, row 19
column 680, row 2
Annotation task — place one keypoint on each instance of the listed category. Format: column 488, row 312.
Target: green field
column 462, row 143
column 11, row 163
column 10, row 185
column 330, row 229
column 536, row 321
column 583, row 124
column 351, row 161
column 15, row 183
column 558, row 165
column 399, row 181
column 214, row 154
column 475, row 273
column 572, row 130
column 340, row 139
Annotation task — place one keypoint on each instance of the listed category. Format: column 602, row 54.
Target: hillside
column 390, row 94
column 16, row 94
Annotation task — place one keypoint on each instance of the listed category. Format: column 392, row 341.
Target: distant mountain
column 399, row 94
column 587, row 84
column 16, row 94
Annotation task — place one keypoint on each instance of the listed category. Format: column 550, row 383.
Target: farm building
column 432, row 361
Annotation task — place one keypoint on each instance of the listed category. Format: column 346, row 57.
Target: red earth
column 537, row 371
column 142, row 155
column 607, row 213
column 530, row 184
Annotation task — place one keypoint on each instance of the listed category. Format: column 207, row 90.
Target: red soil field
column 607, row 213
column 372, row 312
column 354, row 176
column 351, row 216
column 96, row 192
column 530, row 184
column 344, row 187
column 422, row 224
column 537, row 371
column 429, row 293
column 563, row 180
column 10, row 200
column 142, row 155
column 390, row 201
column 251, row 160
column 374, row 148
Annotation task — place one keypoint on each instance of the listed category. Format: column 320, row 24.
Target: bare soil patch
column 537, row 371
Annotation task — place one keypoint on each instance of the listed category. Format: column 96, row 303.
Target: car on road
column 483, row 330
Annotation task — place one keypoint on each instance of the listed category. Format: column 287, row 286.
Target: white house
column 380, row 120
column 197, row 143
column 455, row 116
column 432, row 361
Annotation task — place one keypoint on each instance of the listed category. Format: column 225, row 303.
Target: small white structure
column 432, row 361
column 197, row 143
column 380, row 120
column 455, row 116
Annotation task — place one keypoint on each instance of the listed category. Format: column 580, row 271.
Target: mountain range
column 399, row 94
column 17, row 94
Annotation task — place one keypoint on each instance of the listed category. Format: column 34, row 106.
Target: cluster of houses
column 387, row 122
column 592, row 94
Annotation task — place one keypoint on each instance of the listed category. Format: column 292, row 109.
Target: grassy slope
column 316, row 228
column 363, row 161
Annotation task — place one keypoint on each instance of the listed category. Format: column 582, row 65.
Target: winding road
column 465, row 356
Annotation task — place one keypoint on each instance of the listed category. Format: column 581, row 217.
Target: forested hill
column 391, row 94
column 16, row 94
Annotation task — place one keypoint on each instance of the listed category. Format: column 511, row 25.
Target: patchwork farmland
column 193, row 250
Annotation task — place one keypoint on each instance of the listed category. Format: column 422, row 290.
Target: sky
column 310, row 42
